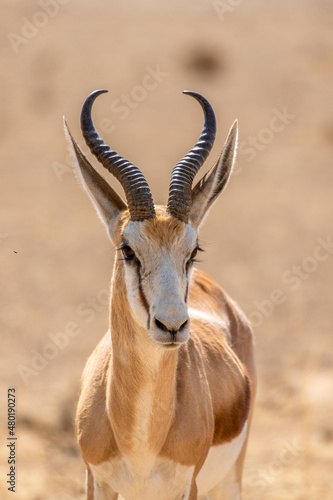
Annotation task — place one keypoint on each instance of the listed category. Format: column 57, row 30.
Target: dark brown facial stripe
column 143, row 298
column 187, row 269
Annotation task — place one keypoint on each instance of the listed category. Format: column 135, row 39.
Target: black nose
column 171, row 328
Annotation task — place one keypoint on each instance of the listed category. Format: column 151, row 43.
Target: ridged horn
column 138, row 196
column 179, row 202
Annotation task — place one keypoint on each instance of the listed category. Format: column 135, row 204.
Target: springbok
column 167, row 395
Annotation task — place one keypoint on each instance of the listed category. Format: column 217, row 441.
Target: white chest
column 219, row 461
column 148, row 477
column 164, row 480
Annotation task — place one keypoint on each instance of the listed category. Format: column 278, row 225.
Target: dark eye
column 194, row 254
column 128, row 253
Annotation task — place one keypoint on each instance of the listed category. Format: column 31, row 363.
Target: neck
column 143, row 380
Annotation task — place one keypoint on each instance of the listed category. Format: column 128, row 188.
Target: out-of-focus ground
column 268, row 240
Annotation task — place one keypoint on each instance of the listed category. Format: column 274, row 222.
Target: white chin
column 167, row 340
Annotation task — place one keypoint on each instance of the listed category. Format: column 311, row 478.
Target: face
column 157, row 256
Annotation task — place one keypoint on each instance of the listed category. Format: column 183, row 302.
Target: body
column 167, row 395
column 184, row 413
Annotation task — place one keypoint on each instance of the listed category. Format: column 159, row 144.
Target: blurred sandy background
column 268, row 240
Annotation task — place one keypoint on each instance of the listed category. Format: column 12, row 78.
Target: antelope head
column 156, row 245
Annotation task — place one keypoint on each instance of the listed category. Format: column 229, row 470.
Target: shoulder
column 96, row 365
column 210, row 302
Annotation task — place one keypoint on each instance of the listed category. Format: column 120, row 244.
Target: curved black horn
column 139, row 199
column 179, row 202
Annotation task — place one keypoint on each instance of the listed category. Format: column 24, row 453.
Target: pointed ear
column 206, row 191
column 108, row 204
